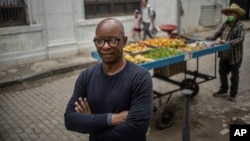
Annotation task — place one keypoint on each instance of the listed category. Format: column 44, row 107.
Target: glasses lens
column 113, row 42
column 99, row 42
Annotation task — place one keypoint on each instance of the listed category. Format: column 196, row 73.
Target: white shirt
column 145, row 14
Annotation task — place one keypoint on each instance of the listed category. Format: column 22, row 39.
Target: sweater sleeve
column 79, row 122
column 238, row 35
column 139, row 114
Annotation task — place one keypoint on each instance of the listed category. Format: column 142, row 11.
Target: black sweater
column 130, row 89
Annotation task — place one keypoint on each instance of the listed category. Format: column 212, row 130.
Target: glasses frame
column 107, row 41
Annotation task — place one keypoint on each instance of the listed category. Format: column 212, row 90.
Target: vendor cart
column 166, row 67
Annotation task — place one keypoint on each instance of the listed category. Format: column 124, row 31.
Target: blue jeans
column 146, row 31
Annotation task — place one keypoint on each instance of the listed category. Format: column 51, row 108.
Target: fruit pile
column 165, row 42
column 189, row 48
column 157, row 48
column 138, row 59
column 159, row 53
column 136, row 48
column 152, row 55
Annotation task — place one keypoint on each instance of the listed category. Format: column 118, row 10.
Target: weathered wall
column 58, row 29
column 191, row 17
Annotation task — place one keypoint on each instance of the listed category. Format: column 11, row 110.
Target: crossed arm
column 125, row 125
column 82, row 106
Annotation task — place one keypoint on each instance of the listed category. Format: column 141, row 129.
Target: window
column 103, row 8
column 12, row 13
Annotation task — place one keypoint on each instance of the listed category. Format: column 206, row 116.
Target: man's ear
column 125, row 39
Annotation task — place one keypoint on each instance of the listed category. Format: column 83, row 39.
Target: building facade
column 35, row 30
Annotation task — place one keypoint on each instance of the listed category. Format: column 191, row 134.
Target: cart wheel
column 190, row 84
column 165, row 116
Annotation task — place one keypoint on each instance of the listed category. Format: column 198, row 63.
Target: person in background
column 147, row 19
column 233, row 33
column 136, row 33
column 112, row 100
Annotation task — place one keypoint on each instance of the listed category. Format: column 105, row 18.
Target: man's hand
column 82, row 106
column 219, row 42
column 118, row 118
column 222, row 41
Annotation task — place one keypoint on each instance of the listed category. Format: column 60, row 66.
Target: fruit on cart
column 129, row 58
column 164, row 42
column 136, row 48
column 159, row 53
column 142, row 59
column 181, row 43
column 138, row 59
column 173, row 44
column 192, row 47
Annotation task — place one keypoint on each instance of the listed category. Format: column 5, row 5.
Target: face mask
column 230, row 18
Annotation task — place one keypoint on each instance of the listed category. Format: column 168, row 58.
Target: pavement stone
column 36, row 113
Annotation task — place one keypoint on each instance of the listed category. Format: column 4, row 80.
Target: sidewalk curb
column 45, row 73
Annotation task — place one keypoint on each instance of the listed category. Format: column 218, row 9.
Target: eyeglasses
column 112, row 42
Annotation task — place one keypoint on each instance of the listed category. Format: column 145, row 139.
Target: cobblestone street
column 36, row 113
column 34, row 109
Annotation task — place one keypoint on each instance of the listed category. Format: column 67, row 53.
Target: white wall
column 190, row 20
column 166, row 11
column 21, row 45
column 58, row 29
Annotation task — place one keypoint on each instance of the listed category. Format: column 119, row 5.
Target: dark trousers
column 146, row 31
column 224, row 69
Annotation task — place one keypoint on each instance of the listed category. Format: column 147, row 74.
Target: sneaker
column 232, row 98
column 220, row 93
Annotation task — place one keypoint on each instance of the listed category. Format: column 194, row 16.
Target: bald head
column 111, row 33
column 110, row 23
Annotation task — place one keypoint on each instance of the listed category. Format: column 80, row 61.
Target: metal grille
column 210, row 15
column 12, row 13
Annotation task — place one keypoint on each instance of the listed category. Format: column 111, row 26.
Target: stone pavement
column 36, row 112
